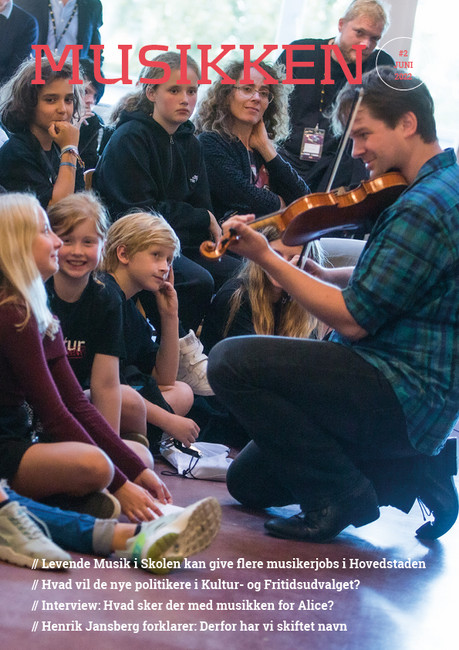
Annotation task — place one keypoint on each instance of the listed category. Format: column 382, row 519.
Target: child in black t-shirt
column 91, row 315
column 138, row 256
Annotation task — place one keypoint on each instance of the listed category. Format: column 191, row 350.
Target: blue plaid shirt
column 405, row 293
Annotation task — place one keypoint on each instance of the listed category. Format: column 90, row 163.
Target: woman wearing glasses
column 239, row 125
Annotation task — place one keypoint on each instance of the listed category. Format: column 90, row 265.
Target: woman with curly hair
column 239, row 125
column 41, row 155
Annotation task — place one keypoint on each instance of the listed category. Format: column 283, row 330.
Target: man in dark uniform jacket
column 89, row 16
column 18, row 32
column 363, row 23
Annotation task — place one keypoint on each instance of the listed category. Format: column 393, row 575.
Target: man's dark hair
column 388, row 97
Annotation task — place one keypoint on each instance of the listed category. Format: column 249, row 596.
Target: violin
column 315, row 215
column 321, row 213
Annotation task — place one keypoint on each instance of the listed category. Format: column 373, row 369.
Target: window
column 206, row 22
column 140, row 23
column 436, row 57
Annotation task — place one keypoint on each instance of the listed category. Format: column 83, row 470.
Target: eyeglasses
column 249, row 91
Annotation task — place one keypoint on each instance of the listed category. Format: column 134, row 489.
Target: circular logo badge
column 404, row 65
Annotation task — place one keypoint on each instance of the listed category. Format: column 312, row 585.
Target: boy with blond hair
column 138, row 256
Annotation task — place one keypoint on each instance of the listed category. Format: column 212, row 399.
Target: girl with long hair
column 153, row 162
column 91, row 316
column 254, row 303
column 76, row 453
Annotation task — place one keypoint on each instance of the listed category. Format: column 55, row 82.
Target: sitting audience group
column 107, row 372
column 108, row 310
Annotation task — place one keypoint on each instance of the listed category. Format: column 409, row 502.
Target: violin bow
column 347, row 132
column 342, row 146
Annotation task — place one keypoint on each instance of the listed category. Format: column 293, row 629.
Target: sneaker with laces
column 163, row 543
column 193, row 365
column 23, row 542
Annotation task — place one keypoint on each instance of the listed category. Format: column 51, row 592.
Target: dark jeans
column 317, row 414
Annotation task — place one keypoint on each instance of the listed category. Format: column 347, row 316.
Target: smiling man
column 311, row 147
column 361, row 420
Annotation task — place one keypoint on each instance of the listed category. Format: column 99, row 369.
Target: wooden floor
column 339, row 606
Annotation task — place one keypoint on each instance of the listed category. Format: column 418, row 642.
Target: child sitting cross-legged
column 138, row 255
column 77, row 454
column 91, row 316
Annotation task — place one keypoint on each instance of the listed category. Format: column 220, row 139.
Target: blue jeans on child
column 71, row 531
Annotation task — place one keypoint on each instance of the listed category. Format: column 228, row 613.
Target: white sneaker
column 193, row 365
column 22, row 541
column 163, row 543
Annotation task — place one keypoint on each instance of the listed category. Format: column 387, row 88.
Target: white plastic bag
column 212, row 465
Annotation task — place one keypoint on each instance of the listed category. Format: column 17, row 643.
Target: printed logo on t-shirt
column 75, row 349
column 194, row 179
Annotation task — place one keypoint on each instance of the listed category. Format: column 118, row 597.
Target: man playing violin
column 310, row 147
column 346, row 425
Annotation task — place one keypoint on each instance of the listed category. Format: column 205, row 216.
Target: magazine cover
column 293, row 483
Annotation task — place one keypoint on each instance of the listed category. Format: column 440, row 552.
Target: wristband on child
column 67, row 164
column 74, row 151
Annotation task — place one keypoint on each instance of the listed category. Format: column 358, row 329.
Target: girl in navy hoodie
column 153, row 161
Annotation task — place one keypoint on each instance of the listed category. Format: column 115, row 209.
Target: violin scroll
column 216, row 250
column 316, row 215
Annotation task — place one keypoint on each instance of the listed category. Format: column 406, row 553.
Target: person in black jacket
column 364, row 22
column 41, row 154
column 154, row 162
column 83, row 28
column 253, row 303
column 18, row 32
column 94, row 133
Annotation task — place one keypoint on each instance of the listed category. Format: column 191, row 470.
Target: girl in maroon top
column 81, row 454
